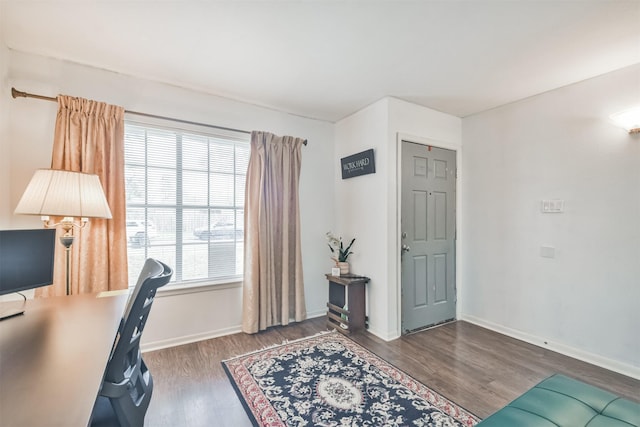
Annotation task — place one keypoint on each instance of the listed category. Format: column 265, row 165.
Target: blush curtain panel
column 89, row 137
column 273, row 291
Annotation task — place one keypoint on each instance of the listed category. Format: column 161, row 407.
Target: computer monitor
column 26, row 259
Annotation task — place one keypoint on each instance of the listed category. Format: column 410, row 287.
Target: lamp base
column 67, row 241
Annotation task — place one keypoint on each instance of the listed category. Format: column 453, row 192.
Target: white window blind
column 185, row 201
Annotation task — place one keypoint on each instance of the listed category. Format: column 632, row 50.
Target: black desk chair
column 127, row 386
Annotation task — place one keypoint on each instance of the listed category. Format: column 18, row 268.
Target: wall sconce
column 628, row 120
column 75, row 196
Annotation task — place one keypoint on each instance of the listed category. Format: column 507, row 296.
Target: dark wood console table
column 347, row 291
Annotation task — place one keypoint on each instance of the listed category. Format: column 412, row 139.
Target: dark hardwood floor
column 478, row 369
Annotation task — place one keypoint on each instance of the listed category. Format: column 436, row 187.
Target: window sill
column 194, row 287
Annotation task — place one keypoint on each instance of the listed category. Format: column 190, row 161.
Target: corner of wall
column 378, row 126
column 360, row 203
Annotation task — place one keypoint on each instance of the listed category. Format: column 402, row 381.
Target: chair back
column 127, row 381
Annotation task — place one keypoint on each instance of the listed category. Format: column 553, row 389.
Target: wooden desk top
column 53, row 357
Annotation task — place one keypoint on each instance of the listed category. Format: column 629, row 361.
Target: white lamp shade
column 628, row 119
column 64, row 193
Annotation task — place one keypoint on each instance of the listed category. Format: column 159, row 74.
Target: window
column 185, row 201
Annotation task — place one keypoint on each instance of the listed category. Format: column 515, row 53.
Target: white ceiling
column 326, row 59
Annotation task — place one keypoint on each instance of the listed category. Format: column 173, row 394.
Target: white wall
column 5, row 92
column 193, row 315
column 367, row 206
column 360, row 206
column 557, row 145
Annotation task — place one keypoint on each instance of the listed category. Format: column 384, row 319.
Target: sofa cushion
column 556, row 407
column 624, row 410
column 512, row 417
column 561, row 401
column 592, row 396
column 602, row 421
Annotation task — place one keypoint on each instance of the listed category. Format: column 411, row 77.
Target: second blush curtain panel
column 273, row 290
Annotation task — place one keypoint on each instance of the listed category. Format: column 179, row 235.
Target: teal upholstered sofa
column 560, row 401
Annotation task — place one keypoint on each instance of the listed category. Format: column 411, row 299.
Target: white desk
column 53, row 357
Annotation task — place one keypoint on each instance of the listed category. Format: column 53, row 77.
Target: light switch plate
column 552, row 206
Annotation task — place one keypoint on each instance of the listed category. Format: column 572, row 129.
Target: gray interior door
column 427, row 235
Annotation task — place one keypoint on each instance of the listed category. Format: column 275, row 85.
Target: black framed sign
column 358, row 164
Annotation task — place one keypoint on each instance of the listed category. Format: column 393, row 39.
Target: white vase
column 344, row 268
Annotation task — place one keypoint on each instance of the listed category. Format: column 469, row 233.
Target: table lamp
column 75, row 196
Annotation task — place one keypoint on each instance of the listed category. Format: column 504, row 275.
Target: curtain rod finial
column 16, row 93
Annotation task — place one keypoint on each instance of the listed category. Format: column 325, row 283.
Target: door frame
column 457, row 148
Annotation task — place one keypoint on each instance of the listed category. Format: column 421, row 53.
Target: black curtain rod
column 18, row 93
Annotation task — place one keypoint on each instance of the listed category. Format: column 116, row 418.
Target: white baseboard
column 173, row 342
column 316, row 313
column 594, row 359
column 188, row 339
column 385, row 336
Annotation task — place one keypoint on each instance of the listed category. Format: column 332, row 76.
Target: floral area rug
column 329, row 380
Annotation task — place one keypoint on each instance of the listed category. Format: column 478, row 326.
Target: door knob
column 405, row 248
